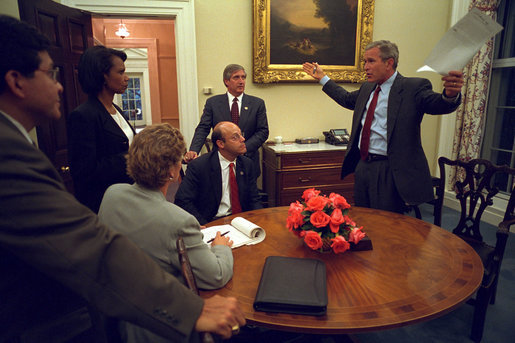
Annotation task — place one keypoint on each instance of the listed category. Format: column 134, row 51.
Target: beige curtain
column 471, row 113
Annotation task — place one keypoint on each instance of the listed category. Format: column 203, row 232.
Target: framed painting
column 332, row 33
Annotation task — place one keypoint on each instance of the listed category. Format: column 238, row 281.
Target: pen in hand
column 212, row 239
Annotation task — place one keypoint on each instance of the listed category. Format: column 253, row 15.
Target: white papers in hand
column 461, row 42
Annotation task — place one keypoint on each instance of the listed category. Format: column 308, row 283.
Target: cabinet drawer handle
column 301, row 161
column 303, row 180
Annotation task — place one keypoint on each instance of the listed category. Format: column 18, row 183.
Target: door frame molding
column 183, row 11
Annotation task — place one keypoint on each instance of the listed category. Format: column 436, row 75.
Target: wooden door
column 70, row 33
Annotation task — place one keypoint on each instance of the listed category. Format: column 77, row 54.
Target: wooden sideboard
column 290, row 168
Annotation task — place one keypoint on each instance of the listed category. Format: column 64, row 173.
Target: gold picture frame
column 284, row 33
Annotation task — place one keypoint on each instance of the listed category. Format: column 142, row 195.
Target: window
column 499, row 136
column 133, row 101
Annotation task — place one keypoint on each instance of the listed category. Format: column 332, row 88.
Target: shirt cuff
column 452, row 100
column 324, row 80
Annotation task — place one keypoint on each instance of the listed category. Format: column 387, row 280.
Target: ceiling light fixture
column 122, row 31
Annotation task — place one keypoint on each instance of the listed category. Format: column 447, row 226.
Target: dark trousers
column 374, row 187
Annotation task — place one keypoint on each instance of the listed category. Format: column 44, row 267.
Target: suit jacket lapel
column 216, row 176
column 108, row 122
column 394, row 104
column 240, row 178
column 223, row 107
column 359, row 112
column 244, row 113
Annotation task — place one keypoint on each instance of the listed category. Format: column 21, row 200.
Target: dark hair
column 231, row 69
column 387, row 50
column 93, row 64
column 20, row 44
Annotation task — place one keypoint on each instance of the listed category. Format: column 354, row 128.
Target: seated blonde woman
column 140, row 211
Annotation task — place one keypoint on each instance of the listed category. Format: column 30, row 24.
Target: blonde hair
column 153, row 152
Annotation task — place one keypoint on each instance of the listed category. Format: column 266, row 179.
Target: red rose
column 339, row 201
column 313, row 240
column 316, row 203
column 339, row 244
column 294, row 220
column 356, row 235
column 309, row 193
column 295, row 207
column 319, row 219
column 349, row 221
column 336, row 220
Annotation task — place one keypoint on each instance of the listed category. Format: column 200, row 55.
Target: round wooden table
column 416, row 271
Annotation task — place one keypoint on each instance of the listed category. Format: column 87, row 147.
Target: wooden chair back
column 189, row 278
column 475, row 187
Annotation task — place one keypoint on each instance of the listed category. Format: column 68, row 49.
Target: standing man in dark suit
column 55, row 255
column 207, row 192
column 385, row 149
column 246, row 111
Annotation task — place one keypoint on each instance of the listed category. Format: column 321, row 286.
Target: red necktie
column 235, row 198
column 235, row 113
column 365, row 133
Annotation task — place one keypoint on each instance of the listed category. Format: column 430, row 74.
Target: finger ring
column 235, row 329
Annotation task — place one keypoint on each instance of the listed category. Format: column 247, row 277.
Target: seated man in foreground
column 221, row 182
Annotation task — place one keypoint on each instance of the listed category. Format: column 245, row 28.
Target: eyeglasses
column 236, row 137
column 52, row 73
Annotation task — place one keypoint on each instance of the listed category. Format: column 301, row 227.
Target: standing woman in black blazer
column 99, row 134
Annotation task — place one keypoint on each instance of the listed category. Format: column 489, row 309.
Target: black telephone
column 336, row 136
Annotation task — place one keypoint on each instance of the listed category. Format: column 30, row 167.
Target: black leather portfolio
column 292, row 285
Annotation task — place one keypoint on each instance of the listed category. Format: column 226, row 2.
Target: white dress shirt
column 231, row 97
column 225, row 203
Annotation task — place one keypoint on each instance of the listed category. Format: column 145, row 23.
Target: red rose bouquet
column 323, row 221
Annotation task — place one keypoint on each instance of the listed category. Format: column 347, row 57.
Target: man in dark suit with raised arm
column 205, row 191
column 389, row 164
column 247, row 111
column 55, row 255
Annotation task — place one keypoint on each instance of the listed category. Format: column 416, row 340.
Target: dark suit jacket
column 409, row 99
column 54, row 253
column 200, row 192
column 253, row 123
column 96, row 152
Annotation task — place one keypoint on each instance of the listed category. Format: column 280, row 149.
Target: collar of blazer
column 108, row 122
column 244, row 112
column 394, row 104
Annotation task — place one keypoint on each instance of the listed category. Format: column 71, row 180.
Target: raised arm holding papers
column 461, row 42
column 240, row 231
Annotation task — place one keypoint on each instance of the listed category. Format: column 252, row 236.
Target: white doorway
column 135, row 102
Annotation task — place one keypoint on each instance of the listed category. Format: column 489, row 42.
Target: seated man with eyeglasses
column 221, row 182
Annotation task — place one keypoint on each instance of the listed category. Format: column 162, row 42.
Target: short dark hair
column 93, row 64
column 387, row 50
column 231, row 69
column 20, row 44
